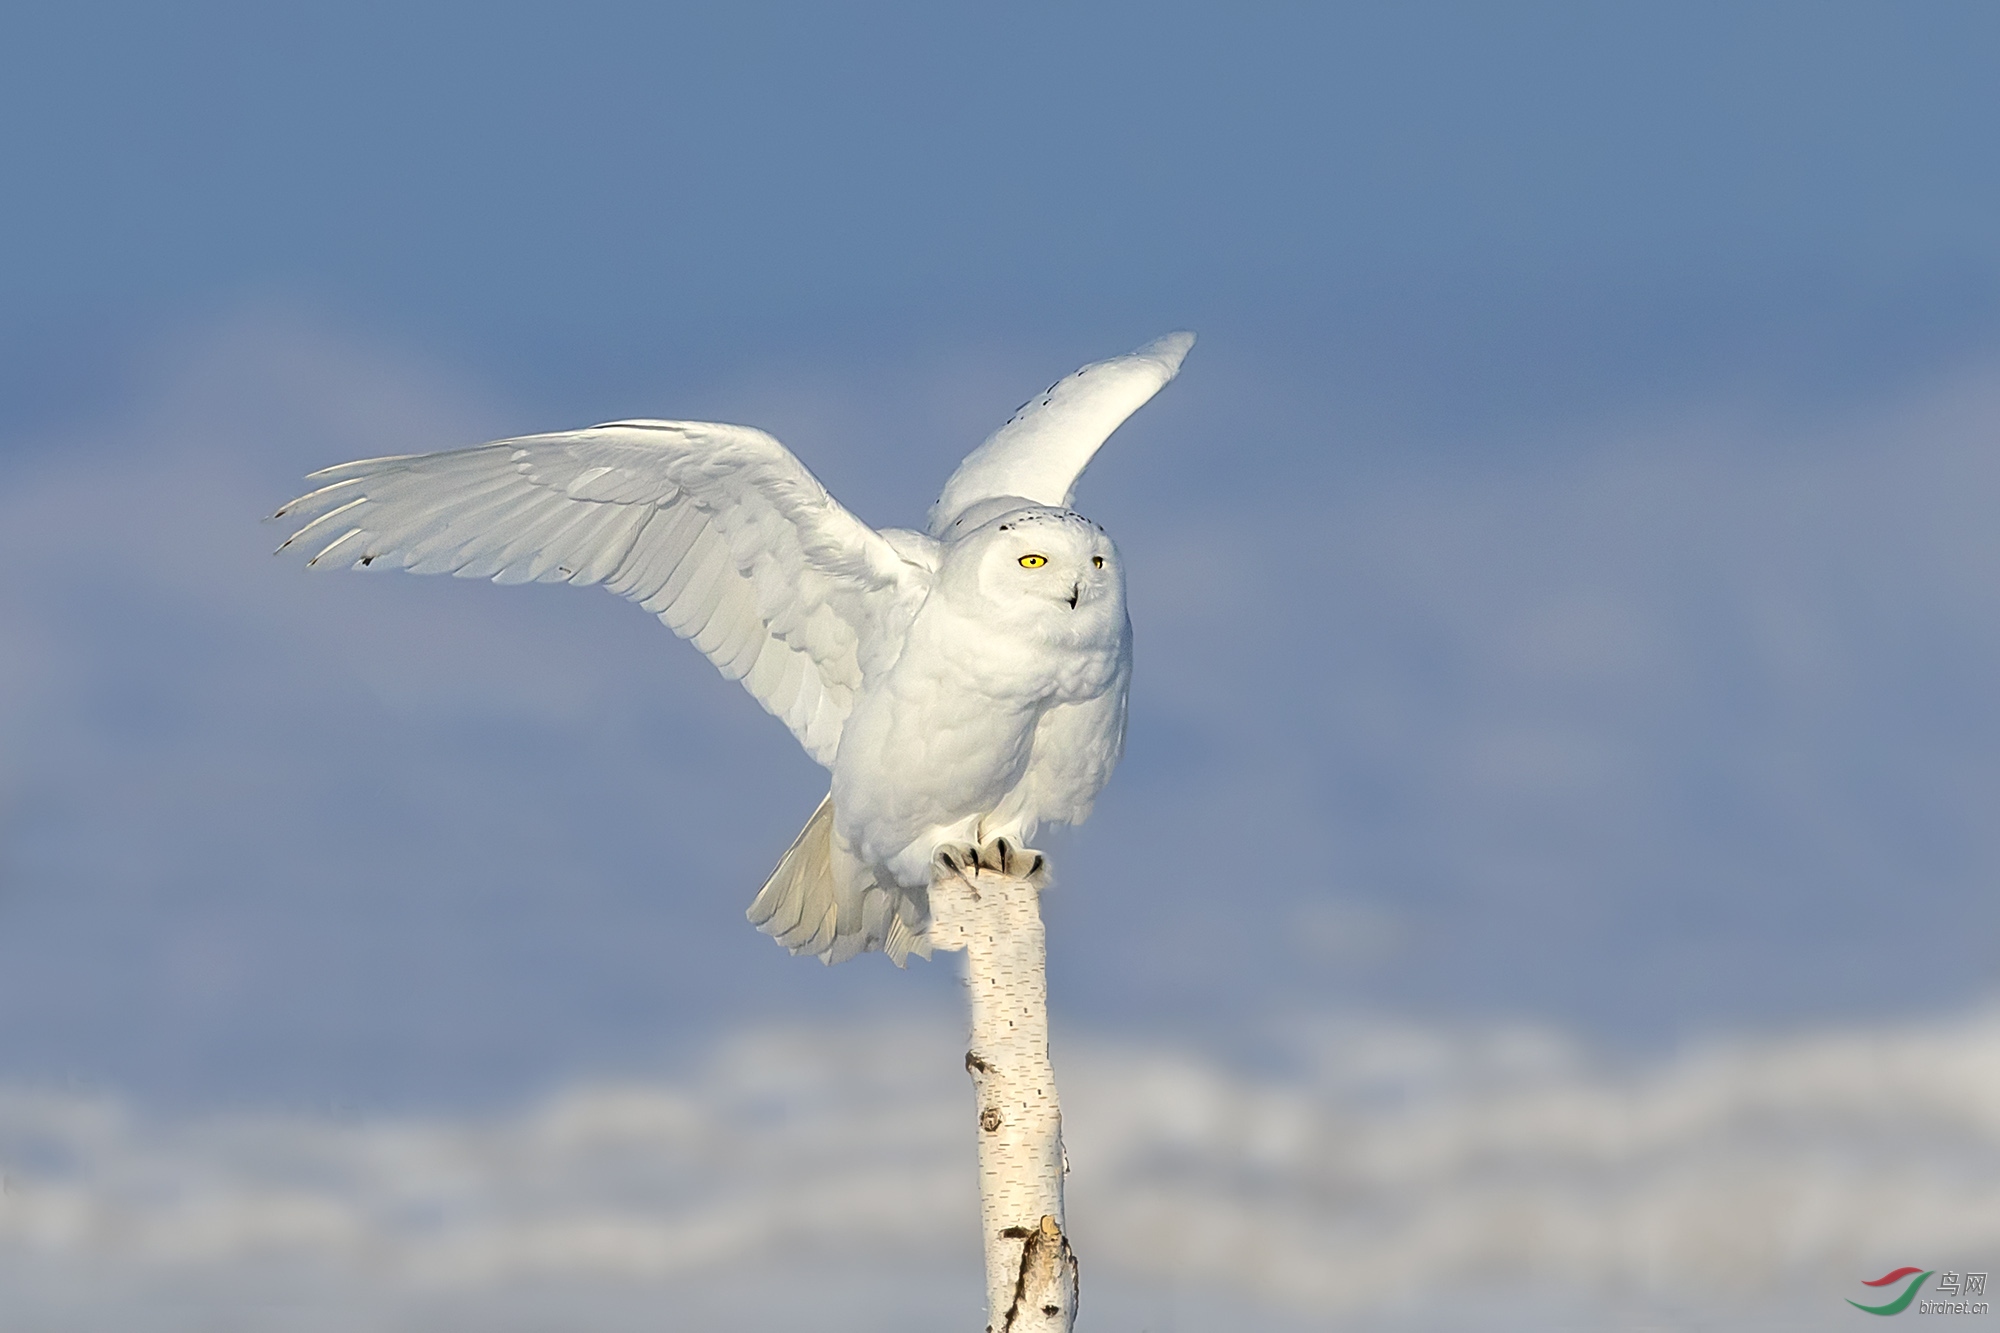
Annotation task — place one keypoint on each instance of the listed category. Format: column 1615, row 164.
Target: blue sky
column 1561, row 572
column 1509, row 205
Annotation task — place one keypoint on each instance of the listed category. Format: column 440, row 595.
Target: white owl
column 963, row 685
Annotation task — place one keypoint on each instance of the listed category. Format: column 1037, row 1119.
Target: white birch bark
column 1031, row 1280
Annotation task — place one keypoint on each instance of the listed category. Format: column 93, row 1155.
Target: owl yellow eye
column 1033, row 561
column 1097, row 561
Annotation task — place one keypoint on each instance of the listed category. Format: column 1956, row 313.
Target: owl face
column 1044, row 566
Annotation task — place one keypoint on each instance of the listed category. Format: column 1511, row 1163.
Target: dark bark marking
column 1047, row 1259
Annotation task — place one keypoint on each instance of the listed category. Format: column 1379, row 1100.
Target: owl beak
column 1075, row 591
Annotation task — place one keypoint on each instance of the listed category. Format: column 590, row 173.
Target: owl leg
column 1004, row 856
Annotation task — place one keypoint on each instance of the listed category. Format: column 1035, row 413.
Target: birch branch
column 1031, row 1278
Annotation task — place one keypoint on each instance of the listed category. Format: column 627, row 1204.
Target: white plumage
column 963, row 685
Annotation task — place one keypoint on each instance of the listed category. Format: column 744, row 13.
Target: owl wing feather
column 1042, row 450
column 716, row 529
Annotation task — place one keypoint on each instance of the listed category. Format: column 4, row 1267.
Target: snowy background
column 1550, row 883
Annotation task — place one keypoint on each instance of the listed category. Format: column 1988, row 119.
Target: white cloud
column 1399, row 1177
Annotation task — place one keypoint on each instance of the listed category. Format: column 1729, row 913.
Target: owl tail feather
column 799, row 906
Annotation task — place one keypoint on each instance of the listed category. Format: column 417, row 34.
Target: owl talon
column 958, row 860
column 1004, row 856
column 995, row 855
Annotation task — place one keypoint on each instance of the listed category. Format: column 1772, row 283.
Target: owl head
column 1042, row 566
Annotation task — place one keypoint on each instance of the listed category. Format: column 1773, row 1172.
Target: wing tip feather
column 358, row 467
column 1169, row 350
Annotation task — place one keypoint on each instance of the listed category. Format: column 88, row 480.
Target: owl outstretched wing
column 716, row 529
column 1039, row 454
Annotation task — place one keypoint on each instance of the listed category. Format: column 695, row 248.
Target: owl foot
column 956, row 860
column 1000, row 856
column 1004, row 856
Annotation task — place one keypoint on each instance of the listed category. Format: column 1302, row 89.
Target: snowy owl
column 963, row 685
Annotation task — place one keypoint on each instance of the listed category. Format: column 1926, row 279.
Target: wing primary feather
column 435, row 551
column 479, row 456
column 430, row 511
column 333, row 546
column 471, row 551
column 311, row 496
column 328, row 516
column 363, row 466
